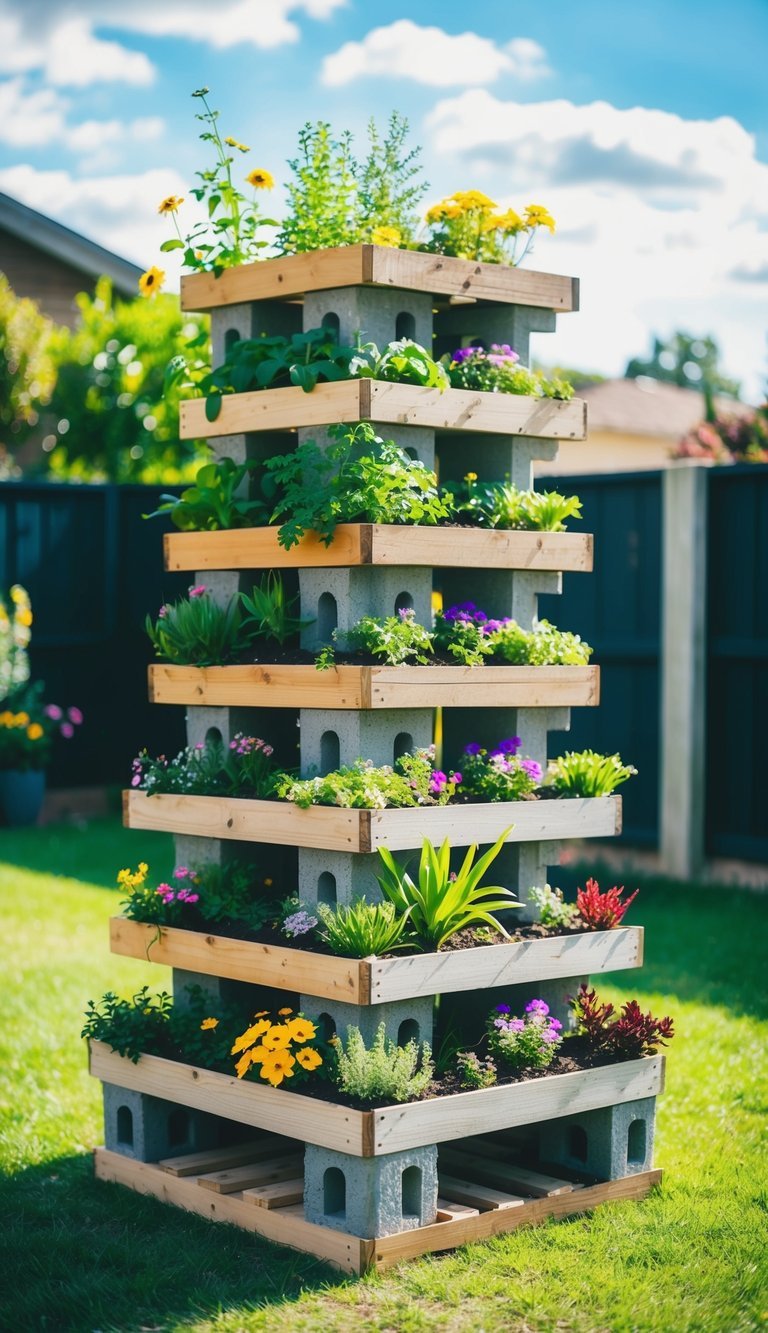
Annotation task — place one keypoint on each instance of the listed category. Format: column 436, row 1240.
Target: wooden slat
column 386, row 404
column 476, row 1195
column 459, row 1116
column 243, row 960
column 221, row 1159
column 488, row 1171
column 381, row 544
column 355, row 687
column 235, row 1178
column 284, row 1195
column 333, row 829
column 306, row 1118
column 448, row 1211
column 344, row 1252
column 292, row 276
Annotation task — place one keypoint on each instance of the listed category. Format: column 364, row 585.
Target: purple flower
column 503, row 1009
column 555, row 1024
column 549, row 1036
column 67, row 730
column 437, row 781
column 53, row 712
column 537, row 1007
column 473, row 748
column 181, row 872
column 516, row 1025
column 75, row 716
column 458, row 778
column 464, row 353
column 136, row 779
column 406, row 613
column 533, row 769
column 193, row 897
column 501, row 354
column 501, row 1024
column 510, row 746
column 163, row 612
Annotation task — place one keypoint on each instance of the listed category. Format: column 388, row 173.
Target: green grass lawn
column 77, row 1254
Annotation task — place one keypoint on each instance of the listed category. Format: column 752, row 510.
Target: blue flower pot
column 21, row 795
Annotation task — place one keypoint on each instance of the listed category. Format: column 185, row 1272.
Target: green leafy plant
column 361, row 786
column 529, row 1042
column 270, row 610
column 303, row 360
column 358, row 478
column 362, row 929
column 131, row 1027
column 544, row 645
column 244, row 768
column 393, row 639
column 475, row 1072
column 389, row 185
column 553, row 911
column 499, row 371
column 440, row 903
column 215, row 500
column 383, row 1072
column 502, row 505
column 401, row 362
column 586, row 773
column 27, row 371
column 198, row 631
column 459, row 633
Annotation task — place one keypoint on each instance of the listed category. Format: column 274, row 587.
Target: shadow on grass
column 79, row 1254
column 91, row 851
column 702, row 944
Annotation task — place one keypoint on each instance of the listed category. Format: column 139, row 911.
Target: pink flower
column 136, row 779
column 193, row 897
column 458, row 778
column 53, row 712
column 67, row 730
column 163, row 612
column 181, row 872
column 198, row 590
column 75, row 716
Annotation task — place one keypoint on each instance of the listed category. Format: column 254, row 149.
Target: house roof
column 55, row 239
column 645, row 406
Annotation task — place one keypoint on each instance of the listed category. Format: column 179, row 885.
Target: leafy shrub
column 383, row 1072
column 359, row 478
column 529, row 1042
column 553, row 911
column 394, row 639
column 130, row 1027
column 214, row 502
column 401, row 362
column 244, row 768
column 602, row 911
column 629, row 1036
column 460, row 632
column 502, row 505
column 586, row 773
column 270, row 611
column 498, row 371
column 439, row 904
column 544, row 645
column 303, row 359
column 499, row 774
column 361, row 786
column 475, row 1072
column 362, row 929
column 197, row 631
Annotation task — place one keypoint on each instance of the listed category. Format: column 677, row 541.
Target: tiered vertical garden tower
column 369, row 1188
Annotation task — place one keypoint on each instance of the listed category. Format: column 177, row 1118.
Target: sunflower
column 170, row 203
column 151, row 281
column 260, row 179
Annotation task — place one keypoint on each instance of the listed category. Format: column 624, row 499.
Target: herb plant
column 498, row 371
column 469, row 635
column 358, row 478
column 586, row 773
column 499, row 774
column 197, row 631
column 529, row 1042
column 401, row 362
column 554, row 912
column 502, row 505
column 270, row 610
column 438, row 903
column 602, row 911
column 460, row 631
column 214, row 501
column 631, row 1035
column 413, row 781
column 475, row 1072
column 130, row 1027
column 304, row 360
column 362, row 929
column 393, row 639
column 383, row 1072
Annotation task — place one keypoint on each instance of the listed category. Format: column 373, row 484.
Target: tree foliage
column 27, row 372
column 687, row 360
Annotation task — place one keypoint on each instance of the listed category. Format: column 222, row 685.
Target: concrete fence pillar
column 683, row 670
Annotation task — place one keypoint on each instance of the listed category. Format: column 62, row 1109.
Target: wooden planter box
column 388, row 404
column 392, row 1128
column 365, row 687
column 330, row 828
column 381, row 544
column 379, row 980
column 461, row 280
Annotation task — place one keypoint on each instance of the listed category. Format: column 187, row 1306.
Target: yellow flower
column 262, row 1013
column 235, row 143
column 282, row 1013
column 170, row 203
column 208, row 1024
column 23, row 616
column 443, row 212
column 34, row 731
column 260, row 179
column 151, row 281
column 267, row 883
column 468, row 199
column 277, row 1067
column 21, row 720
column 248, row 1038
column 386, row 236
column 537, row 216
column 309, row 1059
column 243, row 1064
column 301, row 1029
column 19, row 595
column 471, row 476
column 143, row 868
column 277, row 1039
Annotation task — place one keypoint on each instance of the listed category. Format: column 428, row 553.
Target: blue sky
column 644, row 129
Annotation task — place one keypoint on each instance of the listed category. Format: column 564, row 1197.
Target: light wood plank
column 243, row 960
column 532, row 821
column 466, row 1113
column 477, row 1196
column 344, row 1252
column 490, row 1171
column 448, row 1211
column 220, row 1159
column 381, row 544
column 306, row 1118
column 238, row 1178
column 386, row 404
column 249, row 821
column 276, row 1196
column 354, row 687
column 292, row 276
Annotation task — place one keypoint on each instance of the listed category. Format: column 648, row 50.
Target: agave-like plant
column 361, row 929
column 441, row 905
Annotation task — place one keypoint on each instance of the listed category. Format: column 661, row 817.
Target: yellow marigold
column 277, row 1039
column 151, row 281
column 537, row 216
column 309, row 1059
column 301, row 1029
column 251, row 1035
column 143, row 869
column 278, row 1066
column 208, row 1024
column 260, row 179
column 262, row 1013
column 510, row 222
column 170, row 203
column 283, row 1013
column 386, row 236
column 34, row 731
column 21, row 720
column 19, row 595
column 467, row 199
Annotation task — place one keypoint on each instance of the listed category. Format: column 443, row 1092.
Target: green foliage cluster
column 530, row 1042
column 361, row 786
column 270, row 610
column 553, row 911
column 304, row 360
column 502, row 505
column 472, row 638
column 244, row 768
column 215, row 501
column 198, row 631
column 474, row 1071
column 383, row 1072
column 402, row 362
column 393, row 639
column 499, row 774
column 493, row 372
column 203, row 895
column 440, row 903
column 587, row 773
column 27, row 371
column 361, row 929
column 150, row 1024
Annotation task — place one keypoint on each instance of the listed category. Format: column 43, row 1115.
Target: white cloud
column 67, row 52
column 30, row 120
column 433, row 57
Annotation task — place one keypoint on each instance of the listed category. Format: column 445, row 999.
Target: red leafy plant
column 602, row 911
column 629, row 1036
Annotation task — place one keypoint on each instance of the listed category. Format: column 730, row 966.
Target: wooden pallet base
column 271, row 1209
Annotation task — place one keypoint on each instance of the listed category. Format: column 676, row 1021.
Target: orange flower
column 279, row 1066
column 250, row 1036
column 301, row 1029
column 309, row 1059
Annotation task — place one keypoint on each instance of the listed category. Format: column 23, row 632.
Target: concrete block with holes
column 371, row 314
column 335, row 599
column 370, row 1196
column 473, row 325
column 148, row 1128
column 331, row 737
column 609, row 1143
column 337, row 878
column 404, row 1020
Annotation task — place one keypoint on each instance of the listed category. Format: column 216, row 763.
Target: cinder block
column 218, row 723
column 336, row 878
column 251, row 319
column 611, row 1142
column 488, row 726
column 500, row 592
column 519, row 867
column 478, row 325
column 333, row 736
column 148, row 1128
column 370, row 1196
column 494, row 457
column 338, row 598
column 555, row 992
column 404, row 1020
column 371, row 314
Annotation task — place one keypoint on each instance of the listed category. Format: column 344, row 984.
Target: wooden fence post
column 683, row 676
